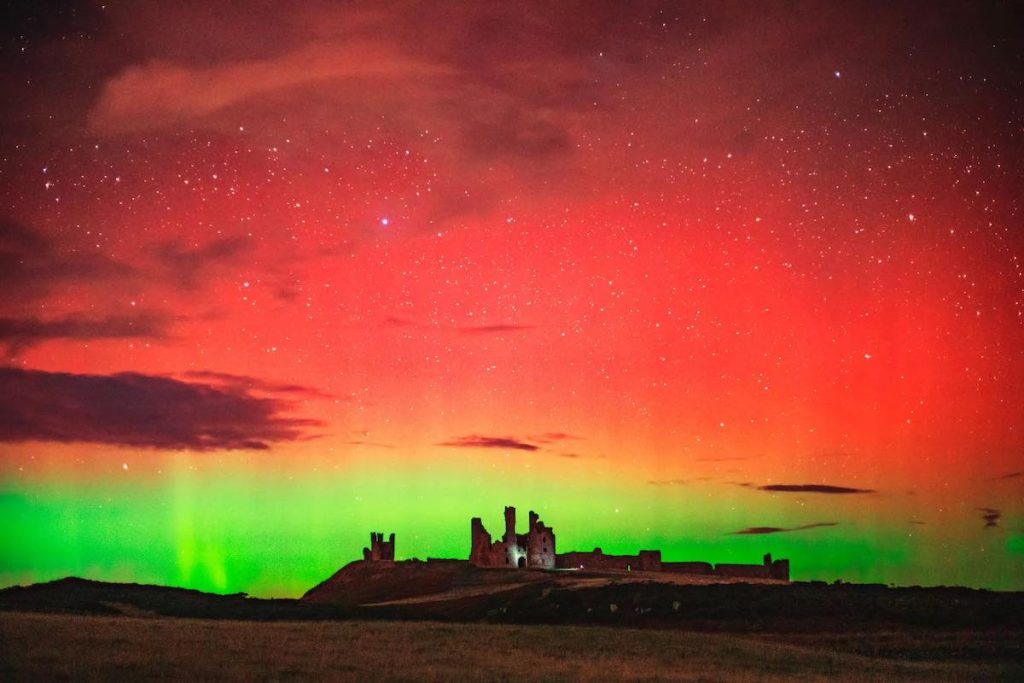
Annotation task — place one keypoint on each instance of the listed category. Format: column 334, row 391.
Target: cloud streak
column 161, row 92
column 32, row 264
column 758, row 530
column 500, row 442
column 991, row 517
column 20, row 334
column 553, row 437
column 246, row 383
column 188, row 265
column 495, row 329
column 143, row 411
column 813, row 488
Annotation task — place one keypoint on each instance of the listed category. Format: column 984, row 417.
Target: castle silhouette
column 536, row 550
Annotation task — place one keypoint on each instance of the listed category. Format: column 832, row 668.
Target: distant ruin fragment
column 534, row 550
column 380, row 550
column 650, row 561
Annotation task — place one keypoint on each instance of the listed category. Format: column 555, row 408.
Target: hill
column 456, row 592
column 452, row 590
column 80, row 596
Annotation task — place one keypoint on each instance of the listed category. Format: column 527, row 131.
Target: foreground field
column 49, row 647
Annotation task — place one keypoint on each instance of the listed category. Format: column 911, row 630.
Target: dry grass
column 54, row 647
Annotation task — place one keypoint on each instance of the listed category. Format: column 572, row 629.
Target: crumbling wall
column 779, row 569
column 484, row 553
column 650, row 560
column 768, row 569
column 645, row 560
column 540, row 544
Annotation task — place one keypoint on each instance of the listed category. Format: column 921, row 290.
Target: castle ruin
column 536, row 550
column 533, row 550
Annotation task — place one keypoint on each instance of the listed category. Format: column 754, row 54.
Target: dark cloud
column 727, row 458
column 812, row 488
column 530, row 443
column 32, row 264
column 370, row 444
column 396, row 322
column 22, row 333
column 393, row 321
column 755, row 530
column 495, row 329
column 552, row 437
column 188, row 265
column 517, row 132
column 991, row 516
column 35, row 265
column 254, row 384
column 147, row 411
column 477, row 441
column 1011, row 475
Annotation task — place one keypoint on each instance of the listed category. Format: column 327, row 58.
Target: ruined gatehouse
column 535, row 549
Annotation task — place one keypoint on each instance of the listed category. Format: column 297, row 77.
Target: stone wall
column 645, row 560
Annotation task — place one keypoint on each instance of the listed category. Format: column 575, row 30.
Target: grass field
column 54, row 647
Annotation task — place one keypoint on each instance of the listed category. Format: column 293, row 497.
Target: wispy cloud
column 494, row 329
column 667, row 482
column 393, row 321
column 553, row 437
column 478, row 441
column 991, row 517
column 20, row 334
column 32, row 264
column 812, row 488
column 190, row 264
column 247, row 383
column 755, row 530
column 727, row 458
column 546, row 442
column 369, row 444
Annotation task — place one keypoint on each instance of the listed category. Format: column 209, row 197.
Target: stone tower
column 380, row 550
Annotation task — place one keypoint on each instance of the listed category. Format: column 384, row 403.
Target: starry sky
column 699, row 276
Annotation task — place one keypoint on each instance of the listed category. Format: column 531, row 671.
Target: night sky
column 715, row 278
